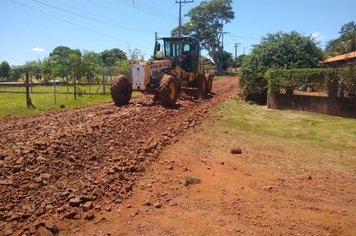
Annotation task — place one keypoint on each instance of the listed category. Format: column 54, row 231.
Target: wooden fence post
column 75, row 87
column 104, row 84
column 28, row 99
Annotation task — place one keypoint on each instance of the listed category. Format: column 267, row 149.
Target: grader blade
column 191, row 91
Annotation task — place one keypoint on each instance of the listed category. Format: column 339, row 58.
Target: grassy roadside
column 15, row 104
column 283, row 139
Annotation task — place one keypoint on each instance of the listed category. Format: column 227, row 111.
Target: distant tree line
column 68, row 64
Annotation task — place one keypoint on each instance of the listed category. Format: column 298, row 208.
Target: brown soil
column 102, row 170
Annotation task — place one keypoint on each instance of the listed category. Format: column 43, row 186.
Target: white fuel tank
column 138, row 77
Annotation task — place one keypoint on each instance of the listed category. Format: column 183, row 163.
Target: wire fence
column 58, row 87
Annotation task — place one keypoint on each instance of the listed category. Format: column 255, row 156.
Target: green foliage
column 46, row 69
column 90, row 63
column 282, row 78
column 135, row 55
column 124, row 67
column 207, row 63
column 206, row 23
column 33, row 68
column 345, row 43
column 5, row 70
column 59, row 64
column 15, row 74
column 238, row 61
column 279, row 50
column 226, row 60
column 75, row 60
column 110, row 57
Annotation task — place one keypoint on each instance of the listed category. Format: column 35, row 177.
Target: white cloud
column 317, row 36
column 37, row 49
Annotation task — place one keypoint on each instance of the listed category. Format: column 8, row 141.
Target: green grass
column 327, row 131
column 14, row 104
column 283, row 140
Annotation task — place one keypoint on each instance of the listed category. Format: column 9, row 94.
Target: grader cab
column 176, row 67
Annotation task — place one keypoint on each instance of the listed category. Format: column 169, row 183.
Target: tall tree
column 46, row 69
column 345, row 43
column 5, row 70
column 59, row 60
column 16, row 73
column 110, row 58
column 76, row 69
column 90, row 62
column 206, row 23
column 33, row 67
column 279, row 50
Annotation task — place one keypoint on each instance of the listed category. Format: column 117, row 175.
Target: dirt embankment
column 71, row 164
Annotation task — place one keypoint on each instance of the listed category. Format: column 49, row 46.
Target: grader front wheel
column 168, row 90
column 121, row 90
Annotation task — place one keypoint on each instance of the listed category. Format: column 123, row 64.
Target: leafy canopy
column 279, row 50
column 345, row 43
column 4, row 69
column 206, row 23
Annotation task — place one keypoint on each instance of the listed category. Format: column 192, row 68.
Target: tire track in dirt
column 60, row 163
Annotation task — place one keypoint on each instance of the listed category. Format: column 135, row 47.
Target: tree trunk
column 216, row 56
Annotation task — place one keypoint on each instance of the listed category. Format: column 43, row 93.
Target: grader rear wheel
column 201, row 84
column 168, row 90
column 121, row 90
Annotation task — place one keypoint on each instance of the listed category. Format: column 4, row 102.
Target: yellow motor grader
column 176, row 67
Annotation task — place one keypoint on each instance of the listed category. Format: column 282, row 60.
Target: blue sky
column 31, row 29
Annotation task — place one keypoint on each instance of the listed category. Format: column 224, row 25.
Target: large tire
column 168, row 90
column 121, row 90
column 201, row 85
column 209, row 84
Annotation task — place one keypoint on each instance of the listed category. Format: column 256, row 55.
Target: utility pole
column 156, row 39
column 236, row 46
column 244, row 50
column 180, row 14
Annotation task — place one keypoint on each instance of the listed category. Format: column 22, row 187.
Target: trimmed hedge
column 293, row 78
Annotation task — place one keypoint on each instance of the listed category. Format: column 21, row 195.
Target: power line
column 68, row 22
column 243, row 37
column 138, row 8
column 99, row 16
column 145, row 8
column 88, row 17
column 148, row 7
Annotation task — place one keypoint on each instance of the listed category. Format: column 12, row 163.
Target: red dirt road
column 103, row 170
column 52, row 164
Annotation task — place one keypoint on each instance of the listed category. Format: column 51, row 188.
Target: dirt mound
column 70, row 163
